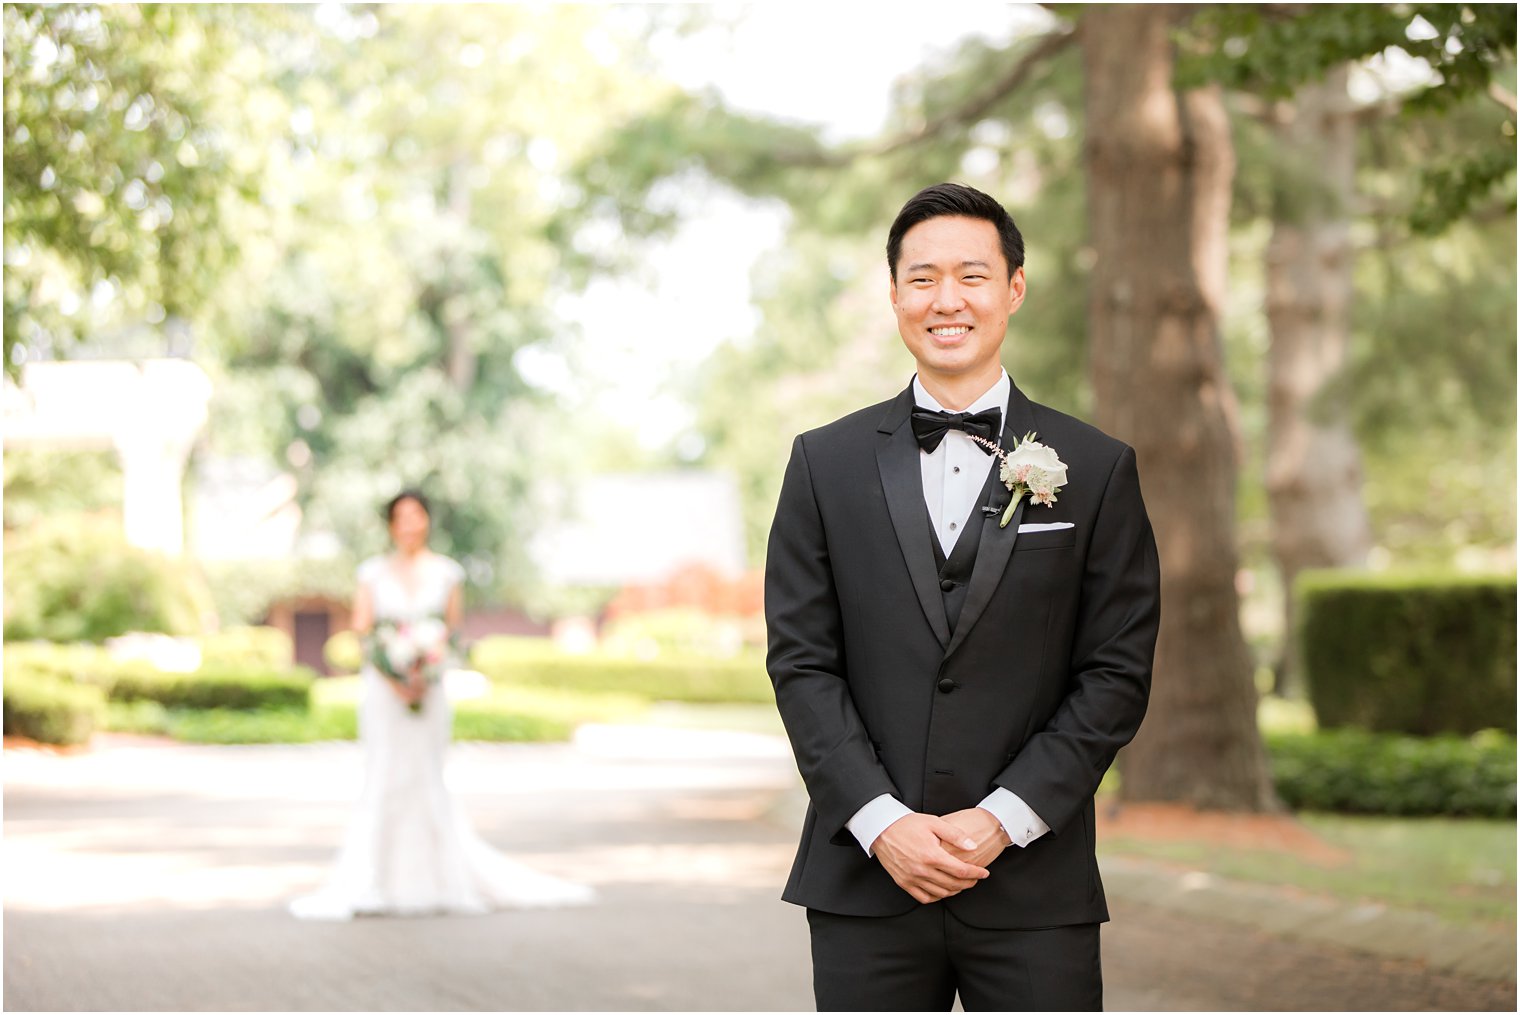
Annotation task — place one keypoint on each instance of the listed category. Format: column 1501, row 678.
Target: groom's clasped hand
column 933, row 858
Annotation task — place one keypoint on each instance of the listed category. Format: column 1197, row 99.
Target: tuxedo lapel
column 997, row 541
column 903, row 484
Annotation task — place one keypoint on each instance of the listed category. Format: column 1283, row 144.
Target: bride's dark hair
column 407, row 494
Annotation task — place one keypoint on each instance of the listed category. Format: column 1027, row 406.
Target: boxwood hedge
column 1409, row 653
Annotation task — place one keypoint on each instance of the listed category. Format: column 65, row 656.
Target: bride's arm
column 362, row 618
column 453, row 612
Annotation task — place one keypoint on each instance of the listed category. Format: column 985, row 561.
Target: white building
column 624, row 528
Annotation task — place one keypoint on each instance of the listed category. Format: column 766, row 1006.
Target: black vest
column 955, row 570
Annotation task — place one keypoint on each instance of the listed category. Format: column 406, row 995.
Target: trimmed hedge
column 211, row 688
column 1409, row 653
column 51, row 710
column 1355, row 772
column 664, row 678
column 91, row 668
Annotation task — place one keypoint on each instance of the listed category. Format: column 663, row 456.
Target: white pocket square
column 1044, row 526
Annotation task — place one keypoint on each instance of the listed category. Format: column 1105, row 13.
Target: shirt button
column 955, row 469
column 952, row 526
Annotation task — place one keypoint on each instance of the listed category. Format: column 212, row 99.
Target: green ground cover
column 1462, row 869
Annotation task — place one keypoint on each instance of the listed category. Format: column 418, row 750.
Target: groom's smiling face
column 953, row 295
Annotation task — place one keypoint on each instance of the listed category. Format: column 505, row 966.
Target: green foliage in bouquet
column 424, row 646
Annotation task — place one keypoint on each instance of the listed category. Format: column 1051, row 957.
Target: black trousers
column 919, row 962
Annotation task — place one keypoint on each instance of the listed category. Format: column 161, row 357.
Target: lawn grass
column 1462, row 869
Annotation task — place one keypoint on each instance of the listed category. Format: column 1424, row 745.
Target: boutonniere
column 1030, row 469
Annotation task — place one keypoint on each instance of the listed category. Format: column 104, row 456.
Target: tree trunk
column 1314, row 467
column 1160, row 164
column 463, row 362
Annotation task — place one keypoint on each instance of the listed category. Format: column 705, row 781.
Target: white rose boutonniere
column 1031, row 469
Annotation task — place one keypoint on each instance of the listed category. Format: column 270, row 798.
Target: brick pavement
column 144, row 875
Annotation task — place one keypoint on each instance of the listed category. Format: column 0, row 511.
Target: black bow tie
column 930, row 426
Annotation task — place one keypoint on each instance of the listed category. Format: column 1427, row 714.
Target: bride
column 409, row 849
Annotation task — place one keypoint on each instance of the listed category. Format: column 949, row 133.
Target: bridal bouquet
column 400, row 648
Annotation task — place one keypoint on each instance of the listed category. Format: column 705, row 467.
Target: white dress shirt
column 953, row 476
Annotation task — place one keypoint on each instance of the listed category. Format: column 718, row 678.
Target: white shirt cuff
column 872, row 819
column 1022, row 824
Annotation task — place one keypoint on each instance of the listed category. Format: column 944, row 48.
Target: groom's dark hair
column 955, row 199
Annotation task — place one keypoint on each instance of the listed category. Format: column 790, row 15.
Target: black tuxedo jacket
column 1043, row 679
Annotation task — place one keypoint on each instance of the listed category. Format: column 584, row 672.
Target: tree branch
column 970, row 112
column 978, row 107
column 1502, row 96
column 1258, row 109
column 1388, row 214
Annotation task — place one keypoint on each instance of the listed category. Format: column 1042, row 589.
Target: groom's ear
column 892, row 289
column 1015, row 290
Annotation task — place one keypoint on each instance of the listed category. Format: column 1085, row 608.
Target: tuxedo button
column 946, row 685
column 946, row 585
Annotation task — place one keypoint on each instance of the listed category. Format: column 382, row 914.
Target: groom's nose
column 949, row 297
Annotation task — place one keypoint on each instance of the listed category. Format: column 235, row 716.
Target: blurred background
column 581, row 273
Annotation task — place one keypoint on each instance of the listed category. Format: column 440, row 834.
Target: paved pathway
column 149, row 876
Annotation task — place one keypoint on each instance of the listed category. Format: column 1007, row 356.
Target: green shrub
column 501, row 651
column 50, row 710
column 681, row 630
column 1419, row 654
column 240, row 689
column 664, row 678
column 75, row 578
column 84, row 664
column 343, row 653
column 265, row 647
column 45, row 483
column 243, row 590
column 1355, row 772
column 147, row 718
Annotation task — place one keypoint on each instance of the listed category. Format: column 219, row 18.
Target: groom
column 955, row 687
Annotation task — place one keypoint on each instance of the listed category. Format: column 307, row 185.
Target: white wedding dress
column 409, row 849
